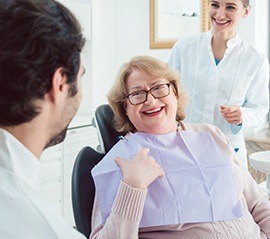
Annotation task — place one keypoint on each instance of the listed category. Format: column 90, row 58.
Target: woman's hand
column 140, row 171
column 232, row 114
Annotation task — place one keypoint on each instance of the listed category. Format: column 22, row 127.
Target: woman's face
column 225, row 15
column 156, row 116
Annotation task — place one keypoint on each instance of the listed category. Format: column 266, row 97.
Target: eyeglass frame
column 147, row 93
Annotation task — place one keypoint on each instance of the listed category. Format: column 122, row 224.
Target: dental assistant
column 226, row 78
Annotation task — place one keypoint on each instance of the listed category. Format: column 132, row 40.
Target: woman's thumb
column 119, row 161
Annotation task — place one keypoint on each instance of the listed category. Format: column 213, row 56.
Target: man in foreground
column 40, row 91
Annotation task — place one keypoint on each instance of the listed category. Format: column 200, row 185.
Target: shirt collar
column 233, row 41
column 17, row 159
column 230, row 43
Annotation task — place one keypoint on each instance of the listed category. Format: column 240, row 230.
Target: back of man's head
column 36, row 38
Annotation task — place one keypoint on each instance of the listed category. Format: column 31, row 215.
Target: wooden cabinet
column 58, row 163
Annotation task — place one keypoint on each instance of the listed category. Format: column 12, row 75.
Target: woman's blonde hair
column 246, row 3
column 155, row 69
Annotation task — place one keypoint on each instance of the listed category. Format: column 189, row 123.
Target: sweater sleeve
column 258, row 203
column 124, row 219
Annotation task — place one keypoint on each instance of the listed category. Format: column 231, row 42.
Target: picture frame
column 167, row 15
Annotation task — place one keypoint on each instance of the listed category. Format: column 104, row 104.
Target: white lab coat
column 24, row 213
column 241, row 78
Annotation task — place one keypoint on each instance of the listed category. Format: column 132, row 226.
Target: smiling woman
column 171, row 19
column 143, row 184
column 159, row 84
column 223, row 85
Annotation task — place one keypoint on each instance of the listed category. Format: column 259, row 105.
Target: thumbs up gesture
column 140, row 171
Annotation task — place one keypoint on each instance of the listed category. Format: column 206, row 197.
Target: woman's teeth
column 153, row 111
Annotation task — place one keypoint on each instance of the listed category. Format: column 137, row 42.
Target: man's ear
column 59, row 86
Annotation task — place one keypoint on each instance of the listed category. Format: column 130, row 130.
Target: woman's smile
column 153, row 112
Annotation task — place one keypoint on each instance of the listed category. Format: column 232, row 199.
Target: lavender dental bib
column 199, row 185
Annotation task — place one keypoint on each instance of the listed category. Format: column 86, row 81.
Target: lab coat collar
column 17, row 159
column 231, row 43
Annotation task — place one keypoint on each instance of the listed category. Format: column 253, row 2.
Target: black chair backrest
column 83, row 188
column 104, row 119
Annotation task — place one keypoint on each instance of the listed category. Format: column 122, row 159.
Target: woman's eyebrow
column 160, row 81
column 133, row 88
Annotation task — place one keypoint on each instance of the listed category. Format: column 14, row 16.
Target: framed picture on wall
column 171, row 19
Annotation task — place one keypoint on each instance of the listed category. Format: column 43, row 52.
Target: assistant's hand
column 140, row 171
column 232, row 114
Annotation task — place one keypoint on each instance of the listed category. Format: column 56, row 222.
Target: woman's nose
column 150, row 98
column 220, row 13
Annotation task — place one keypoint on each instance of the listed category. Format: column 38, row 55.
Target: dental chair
column 108, row 136
column 82, row 184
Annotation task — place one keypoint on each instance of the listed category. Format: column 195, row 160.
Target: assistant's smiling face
column 225, row 15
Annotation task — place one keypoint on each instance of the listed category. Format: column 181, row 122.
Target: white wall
column 83, row 11
column 255, row 28
column 120, row 31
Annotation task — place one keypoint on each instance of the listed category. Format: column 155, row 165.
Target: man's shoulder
column 31, row 215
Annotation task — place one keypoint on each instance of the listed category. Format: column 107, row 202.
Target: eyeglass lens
column 157, row 92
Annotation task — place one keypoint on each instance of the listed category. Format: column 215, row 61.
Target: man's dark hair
column 36, row 38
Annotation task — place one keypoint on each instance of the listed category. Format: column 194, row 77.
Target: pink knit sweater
column 123, row 222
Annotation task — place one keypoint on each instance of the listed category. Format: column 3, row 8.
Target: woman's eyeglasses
column 140, row 96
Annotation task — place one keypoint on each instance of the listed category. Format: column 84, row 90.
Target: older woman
column 168, row 179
